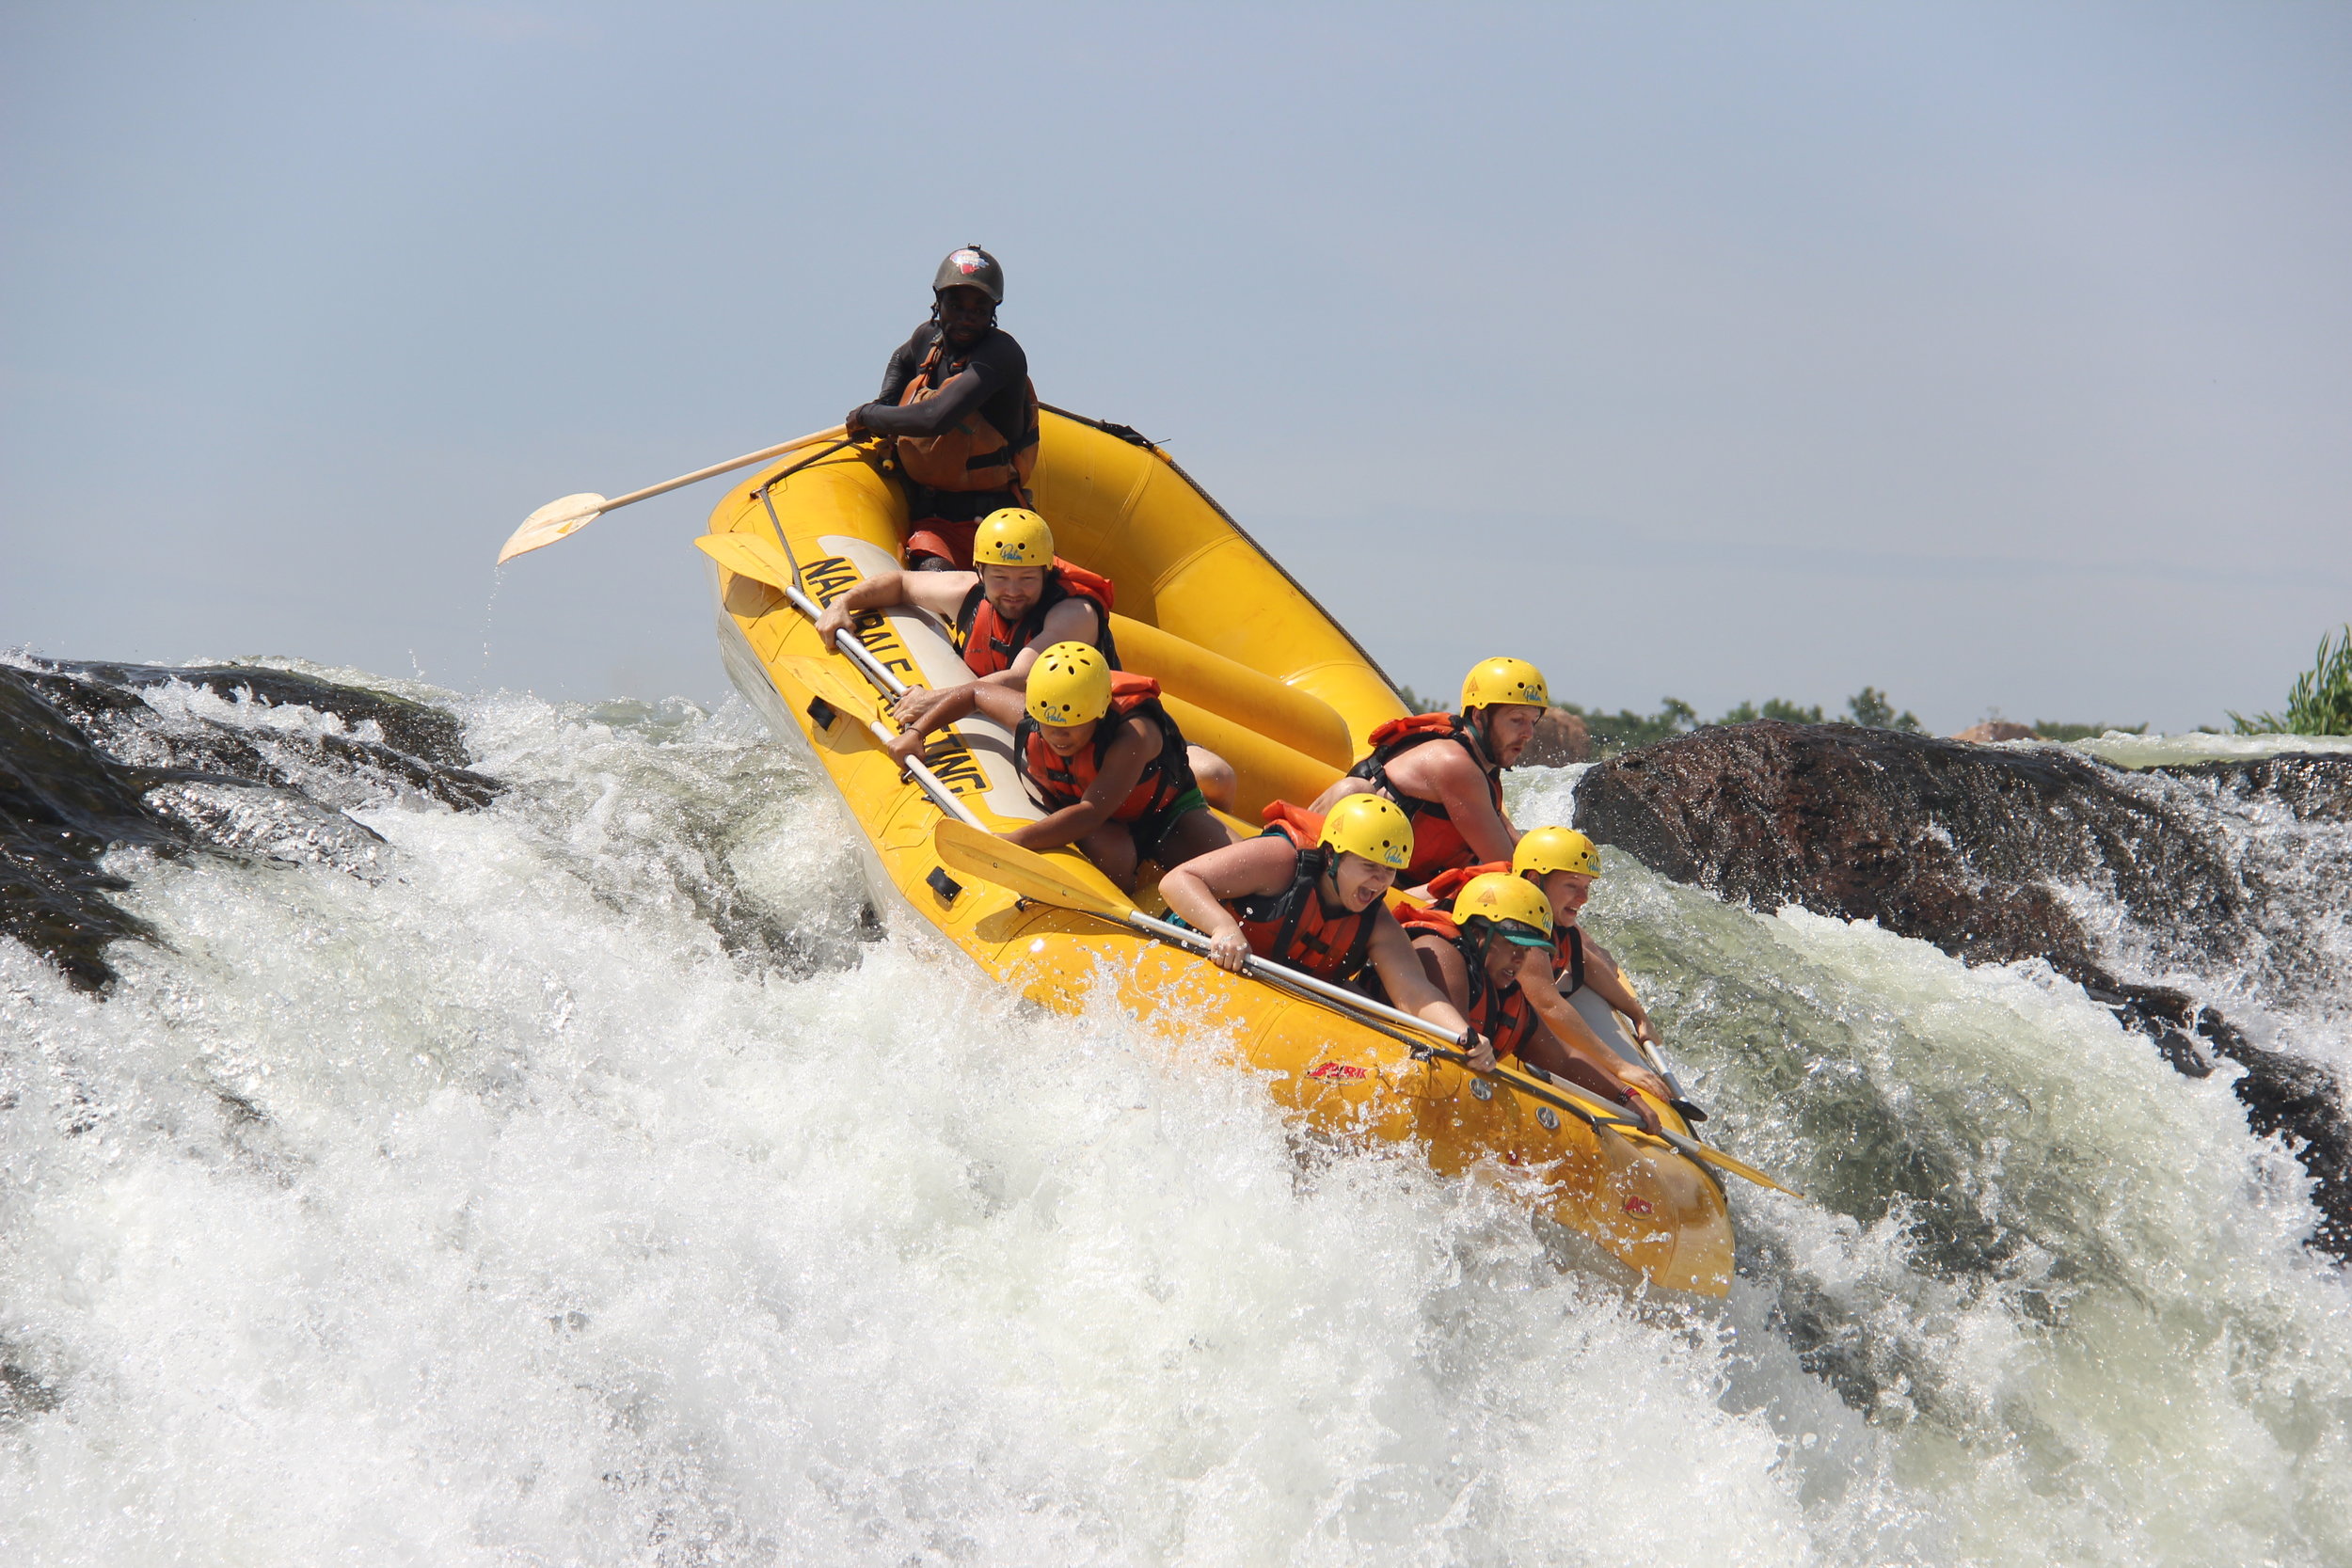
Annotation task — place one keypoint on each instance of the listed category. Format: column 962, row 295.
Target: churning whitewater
column 585, row 1179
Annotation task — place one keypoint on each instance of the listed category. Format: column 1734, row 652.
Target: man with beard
column 1445, row 770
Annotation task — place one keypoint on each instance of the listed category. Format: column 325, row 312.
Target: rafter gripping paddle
column 982, row 854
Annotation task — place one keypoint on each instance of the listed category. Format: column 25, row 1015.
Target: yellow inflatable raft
column 1253, row 669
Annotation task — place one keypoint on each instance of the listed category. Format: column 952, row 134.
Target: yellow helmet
column 1503, row 680
column 1069, row 684
column 1512, row 904
column 1371, row 826
column 1012, row 536
column 1545, row 850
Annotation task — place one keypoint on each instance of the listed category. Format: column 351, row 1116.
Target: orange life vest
column 1568, row 942
column 1501, row 1013
column 989, row 644
column 1438, row 843
column 1059, row 781
column 1295, row 926
column 973, row 454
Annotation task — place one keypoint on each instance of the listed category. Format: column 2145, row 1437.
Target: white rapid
column 582, row 1180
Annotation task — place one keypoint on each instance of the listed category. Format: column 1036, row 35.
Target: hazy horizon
column 1999, row 357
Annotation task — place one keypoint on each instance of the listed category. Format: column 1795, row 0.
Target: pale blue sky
column 2000, row 356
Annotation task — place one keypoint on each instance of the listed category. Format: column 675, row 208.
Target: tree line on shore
column 2318, row 703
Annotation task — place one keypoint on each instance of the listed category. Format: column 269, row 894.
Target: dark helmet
column 971, row 267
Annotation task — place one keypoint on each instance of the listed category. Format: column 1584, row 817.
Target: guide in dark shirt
column 961, row 414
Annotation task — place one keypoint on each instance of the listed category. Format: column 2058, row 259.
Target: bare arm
column 1074, row 620
column 1197, row 890
column 1606, row 981
column 1576, row 1037
column 1409, row 987
column 1122, row 770
column 875, row 593
column 1460, row 786
column 942, row 708
column 940, row 593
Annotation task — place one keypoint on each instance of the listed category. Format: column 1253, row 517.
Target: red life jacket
column 1295, row 926
column 1568, row 942
column 1059, row 781
column 1501, row 1013
column 973, row 454
column 989, row 644
column 1438, row 843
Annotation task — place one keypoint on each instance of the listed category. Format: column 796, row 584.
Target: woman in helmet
column 1492, row 958
column 962, row 415
column 1306, row 892
column 1099, row 753
column 1563, row 864
column 1446, row 768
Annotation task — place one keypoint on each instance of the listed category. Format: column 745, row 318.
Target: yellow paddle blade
column 1717, row 1158
column 1624, row 1125
column 747, row 554
column 984, row 855
column 823, row 680
column 558, row 519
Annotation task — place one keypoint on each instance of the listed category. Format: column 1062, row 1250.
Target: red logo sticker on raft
column 1639, row 1206
column 1335, row 1072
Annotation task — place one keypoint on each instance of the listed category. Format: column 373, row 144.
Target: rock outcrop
column 1561, row 739
column 1964, row 847
column 1994, row 730
column 89, row 764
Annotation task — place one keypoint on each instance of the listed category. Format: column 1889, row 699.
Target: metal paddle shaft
column 835, row 694
column 747, row 557
column 1034, row 876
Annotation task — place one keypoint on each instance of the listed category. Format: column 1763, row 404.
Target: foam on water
column 2126, row 750
column 586, row 1183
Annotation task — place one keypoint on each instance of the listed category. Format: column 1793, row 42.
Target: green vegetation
column 1871, row 710
column 2319, row 702
column 1626, row 729
column 1416, row 703
column 1773, row 709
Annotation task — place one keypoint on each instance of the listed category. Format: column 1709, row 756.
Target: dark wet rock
column 1967, row 847
column 63, row 804
column 1561, row 737
column 387, row 741
column 89, row 764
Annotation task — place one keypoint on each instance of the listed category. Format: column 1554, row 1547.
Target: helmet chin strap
column 1477, row 719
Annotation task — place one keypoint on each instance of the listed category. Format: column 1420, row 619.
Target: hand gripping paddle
column 992, row 859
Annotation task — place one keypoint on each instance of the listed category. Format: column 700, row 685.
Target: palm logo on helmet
column 1545, row 850
column 1509, row 904
column 1370, row 826
column 1069, row 684
column 1012, row 536
column 1504, row 680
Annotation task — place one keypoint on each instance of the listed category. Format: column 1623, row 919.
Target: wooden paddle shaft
column 716, row 468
